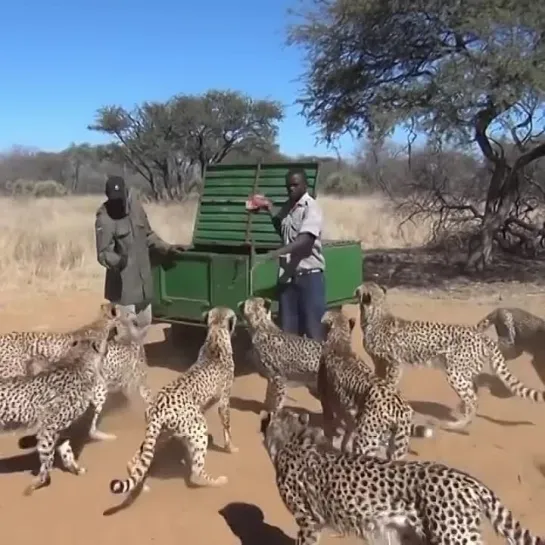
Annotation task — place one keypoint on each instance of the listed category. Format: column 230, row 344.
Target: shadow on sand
column 247, row 522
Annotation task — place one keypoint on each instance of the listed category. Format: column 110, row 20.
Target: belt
column 303, row 272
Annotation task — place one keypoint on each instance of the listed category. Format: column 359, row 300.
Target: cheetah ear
column 267, row 304
column 265, row 421
column 240, row 306
column 204, row 316
column 232, row 323
column 112, row 334
column 304, row 419
column 351, row 324
column 383, row 288
column 357, row 292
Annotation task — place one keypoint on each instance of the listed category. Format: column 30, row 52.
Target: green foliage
column 373, row 64
column 169, row 143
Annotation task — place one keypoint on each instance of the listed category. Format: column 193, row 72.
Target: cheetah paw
column 232, row 449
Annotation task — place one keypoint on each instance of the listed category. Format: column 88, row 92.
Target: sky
column 61, row 61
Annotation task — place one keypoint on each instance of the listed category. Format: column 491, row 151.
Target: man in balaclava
column 123, row 240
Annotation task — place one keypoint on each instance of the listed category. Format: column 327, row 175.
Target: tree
column 168, row 143
column 462, row 72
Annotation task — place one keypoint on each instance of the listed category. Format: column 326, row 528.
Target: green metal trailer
column 220, row 267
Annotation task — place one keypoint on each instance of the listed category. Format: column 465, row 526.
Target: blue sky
column 61, row 61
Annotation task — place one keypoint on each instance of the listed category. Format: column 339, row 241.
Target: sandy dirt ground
column 504, row 447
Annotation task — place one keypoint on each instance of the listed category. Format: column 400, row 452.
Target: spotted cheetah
column 178, row 408
column 461, row 350
column 29, row 352
column 518, row 331
column 284, row 359
column 51, row 402
column 376, row 499
column 350, row 392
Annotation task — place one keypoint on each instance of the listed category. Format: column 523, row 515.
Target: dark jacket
column 133, row 237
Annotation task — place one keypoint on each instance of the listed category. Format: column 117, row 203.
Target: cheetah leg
column 68, row 460
column 309, row 532
column 100, row 393
column 224, row 411
column 368, row 437
column 467, row 391
column 47, row 440
column 196, row 438
column 389, row 370
column 398, row 445
column 275, row 397
column 145, row 393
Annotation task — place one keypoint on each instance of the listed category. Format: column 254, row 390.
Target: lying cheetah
column 518, row 331
column 29, row 352
column 51, row 402
column 377, row 499
column 461, row 350
column 350, row 392
column 284, row 359
column 178, row 408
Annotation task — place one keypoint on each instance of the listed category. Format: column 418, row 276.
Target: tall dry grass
column 47, row 245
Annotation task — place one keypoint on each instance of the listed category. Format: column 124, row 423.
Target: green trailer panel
column 222, row 218
column 200, row 281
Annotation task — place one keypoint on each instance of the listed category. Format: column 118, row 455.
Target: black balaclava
column 116, row 192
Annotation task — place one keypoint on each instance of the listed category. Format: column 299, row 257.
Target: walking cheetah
column 178, row 408
column 284, row 359
column 350, row 392
column 460, row 350
column 378, row 499
column 28, row 352
column 518, row 331
column 51, row 402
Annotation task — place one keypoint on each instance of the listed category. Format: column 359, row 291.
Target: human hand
column 177, row 249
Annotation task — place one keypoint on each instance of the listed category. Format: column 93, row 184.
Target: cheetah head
column 280, row 428
column 256, row 310
column 221, row 317
column 370, row 294
column 336, row 324
column 121, row 323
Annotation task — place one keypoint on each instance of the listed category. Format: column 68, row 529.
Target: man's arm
column 310, row 230
column 105, row 245
column 154, row 241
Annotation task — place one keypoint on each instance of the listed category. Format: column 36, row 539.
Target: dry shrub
column 48, row 245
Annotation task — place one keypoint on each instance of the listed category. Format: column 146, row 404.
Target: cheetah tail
column 513, row 384
column 504, row 522
column 140, row 463
column 422, row 430
column 487, row 321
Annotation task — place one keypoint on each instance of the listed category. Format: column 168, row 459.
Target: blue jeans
column 302, row 305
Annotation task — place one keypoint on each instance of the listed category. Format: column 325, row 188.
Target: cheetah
column 376, row 499
column 178, row 408
column 460, row 350
column 350, row 391
column 124, row 368
column 518, row 331
column 51, row 401
column 29, row 352
column 284, row 359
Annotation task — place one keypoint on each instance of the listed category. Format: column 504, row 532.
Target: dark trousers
column 302, row 304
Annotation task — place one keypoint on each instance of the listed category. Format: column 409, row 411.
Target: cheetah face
column 256, row 310
column 278, row 428
column 370, row 293
column 221, row 317
column 335, row 321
